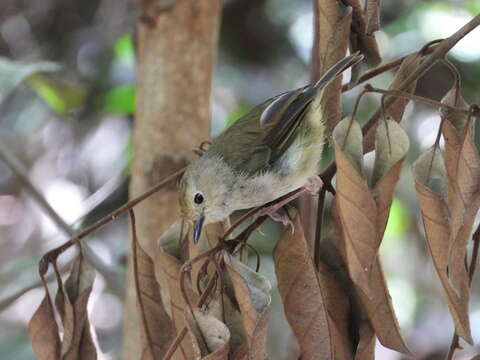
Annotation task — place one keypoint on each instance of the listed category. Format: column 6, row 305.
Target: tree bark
column 176, row 52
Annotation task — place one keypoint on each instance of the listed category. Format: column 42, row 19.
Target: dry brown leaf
column 463, row 193
column 252, row 292
column 307, row 298
column 222, row 306
column 372, row 13
column 379, row 307
column 332, row 29
column 338, row 309
column 430, row 182
column 366, row 345
column 351, row 313
column 209, row 238
column 356, row 206
column 366, row 43
column 241, row 353
column 43, row 330
column 209, row 336
column 362, row 214
column 340, row 299
column 167, row 266
column 71, row 301
column 397, row 108
column 156, row 327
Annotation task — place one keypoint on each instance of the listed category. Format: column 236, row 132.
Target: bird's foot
column 277, row 214
column 313, row 185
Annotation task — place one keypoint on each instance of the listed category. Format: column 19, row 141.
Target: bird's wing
column 255, row 141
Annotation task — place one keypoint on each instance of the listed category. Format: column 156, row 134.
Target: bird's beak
column 197, row 228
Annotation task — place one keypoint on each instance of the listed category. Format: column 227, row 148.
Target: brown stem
column 136, row 283
column 381, row 69
column 53, row 254
column 254, row 211
column 318, row 229
column 420, row 99
column 114, row 282
column 440, row 50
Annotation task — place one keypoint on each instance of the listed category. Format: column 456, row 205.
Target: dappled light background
column 67, row 99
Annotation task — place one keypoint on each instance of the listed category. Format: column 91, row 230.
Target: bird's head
column 204, row 192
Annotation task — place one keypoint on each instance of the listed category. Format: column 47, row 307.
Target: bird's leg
column 271, row 209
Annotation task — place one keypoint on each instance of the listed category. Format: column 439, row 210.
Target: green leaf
column 120, row 100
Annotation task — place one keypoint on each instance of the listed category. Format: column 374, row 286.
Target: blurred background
column 67, row 98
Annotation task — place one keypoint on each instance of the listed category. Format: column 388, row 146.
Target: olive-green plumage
column 274, row 149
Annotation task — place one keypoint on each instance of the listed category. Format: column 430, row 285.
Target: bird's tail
column 335, row 71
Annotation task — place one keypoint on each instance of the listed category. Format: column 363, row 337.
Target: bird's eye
column 198, row 198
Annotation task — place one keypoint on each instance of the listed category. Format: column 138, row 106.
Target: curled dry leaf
column 364, row 42
column 372, row 12
column 366, row 344
column 355, row 204
column 315, row 306
column 430, row 182
column 167, row 266
column 209, row 238
column 397, row 108
column 43, row 331
column 156, row 328
column 209, row 336
column 378, row 306
column 463, row 192
column 332, row 29
column 343, row 305
column 362, row 213
column 71, row 301
column 223, row 307
column 252, row 293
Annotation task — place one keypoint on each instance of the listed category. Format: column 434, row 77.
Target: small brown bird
column 271, row 151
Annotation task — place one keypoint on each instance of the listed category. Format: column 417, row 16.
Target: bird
column 271, row 151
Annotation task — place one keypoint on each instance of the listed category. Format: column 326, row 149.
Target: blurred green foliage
column 124, row 50
column 235, row 115
column 61, row 98
column 119, row 100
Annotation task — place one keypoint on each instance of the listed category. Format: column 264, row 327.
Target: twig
column 437, row 53
column 19, row 170
column 420, row 99
column 318, row 228
column 381, row 69
column 440, row 50
column 254, row 211
column 10, row 299
column 141, row 305
column 53, row 254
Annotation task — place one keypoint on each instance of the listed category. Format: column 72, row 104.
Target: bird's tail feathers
column 336, row 70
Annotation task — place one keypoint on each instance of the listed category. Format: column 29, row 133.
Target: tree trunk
column 176, row 52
